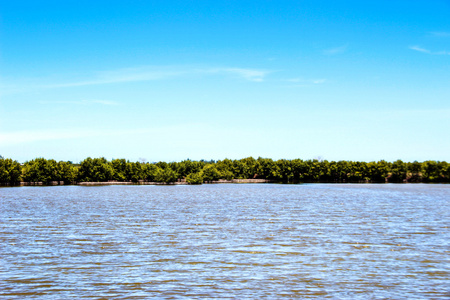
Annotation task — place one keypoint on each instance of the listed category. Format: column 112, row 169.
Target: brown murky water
column 225, row 241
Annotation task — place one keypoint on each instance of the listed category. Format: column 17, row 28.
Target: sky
column 174, row 80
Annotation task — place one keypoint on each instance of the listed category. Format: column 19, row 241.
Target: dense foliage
column 197, row 172
column 10, row 171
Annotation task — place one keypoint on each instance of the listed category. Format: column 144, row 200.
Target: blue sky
column 170, row 80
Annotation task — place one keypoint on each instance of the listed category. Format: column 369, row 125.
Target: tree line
column 197, row 172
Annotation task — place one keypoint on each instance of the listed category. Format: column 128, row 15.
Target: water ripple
column 226, row 241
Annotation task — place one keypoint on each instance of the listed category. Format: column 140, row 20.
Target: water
column 225, row 241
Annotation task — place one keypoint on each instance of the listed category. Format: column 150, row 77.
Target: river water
column 232, row 241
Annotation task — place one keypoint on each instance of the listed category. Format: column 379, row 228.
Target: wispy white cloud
column 318, row 81
column 336, row 50
column 440, row 33
column 420, row 49
column 301, row 82
column 296, row 80
column 248, row 74
column 81, row 102
column 105, row 102
column 31, row 136
column 423, row 50
column 11, row 87
column 123, row 76
column 128, row 75
column 160, row 73
column 20, row 137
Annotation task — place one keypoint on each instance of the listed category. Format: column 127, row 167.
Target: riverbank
column 142, row 182
column 283, row 171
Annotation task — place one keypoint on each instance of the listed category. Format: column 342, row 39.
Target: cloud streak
column 423, row 50
column 82, row 102
column 30, row 136
column 248, row 74
column 122, row 76
column 20, row 137
column 420, row 49
column 300, row 82
column 336, row 50
column 153, row 74
column 129, row 75
column 34, row 136
column 440, row 33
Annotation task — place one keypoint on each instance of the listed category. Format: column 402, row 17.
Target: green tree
column 165, row 175
column 435, row 171
column 286, row 170
column 120, row 170
column 210, row 173
column 445, row 171
column 66, row 171
column 264, row 167
column 135, row 171
column 414, row 171
column 377, row 171
column 325, row 171
column 249, row 167
column 149, row 171
column 397, row 171
column 95, row 170
column 10, row 171
column 225, row 168
column 40, row 170
column 194, row 178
